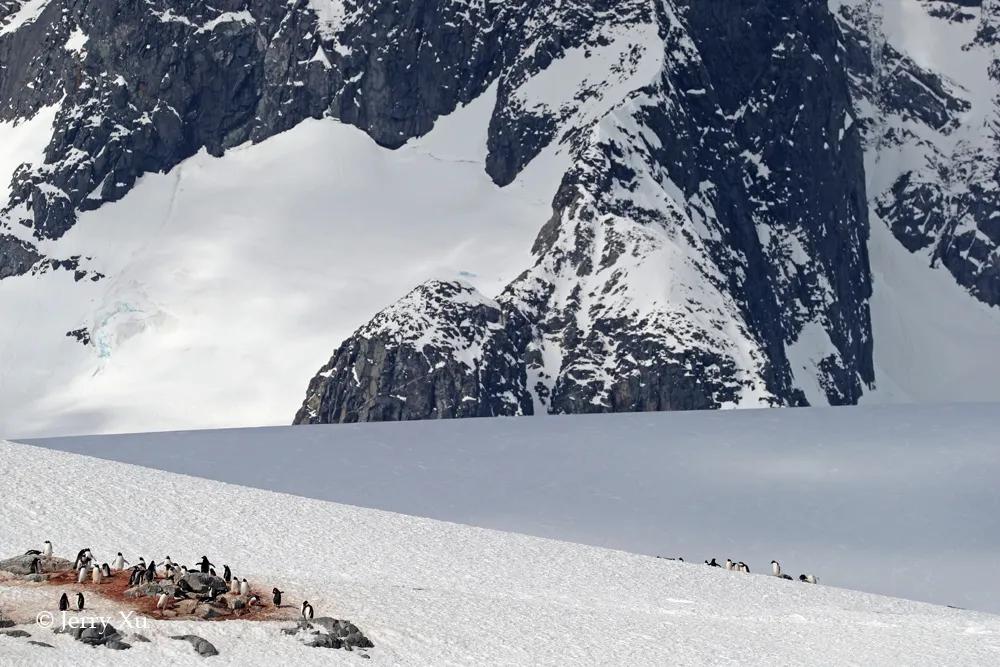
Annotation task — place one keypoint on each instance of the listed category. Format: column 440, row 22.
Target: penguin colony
column 740, row 566
column 86, row 568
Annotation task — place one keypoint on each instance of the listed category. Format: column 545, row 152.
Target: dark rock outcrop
column 444, row 351
column 203, row 647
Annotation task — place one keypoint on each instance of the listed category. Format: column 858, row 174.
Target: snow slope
column 247, row 268
column 428, row 592
column 893, row 500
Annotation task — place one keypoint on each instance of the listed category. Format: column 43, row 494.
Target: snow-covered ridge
column 862, row 497
column 412, row 581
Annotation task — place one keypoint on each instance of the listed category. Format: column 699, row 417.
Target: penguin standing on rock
column 79, row 601
column 151, row 571
column 234, row 586
column 64, row 603
column 244, row 588
column 97, row 576
column 81, row 575
column 205, row 565
column 119, row 562
column 307, row 611
column 162, row 602
column 47, row 549
column 276, row 597
column 227, row 574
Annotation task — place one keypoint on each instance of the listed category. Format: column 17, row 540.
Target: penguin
column 64, row 603
column 744, row 567
column 106, row 570
column 227, row 574
column 36, row 565
column 276, row 597
column 808, row 579
column 786, row 576
column 775, row 568
column 97, row 577
column 211, row 571
column 244, row 588
column 82, row 575
column 32, row 552
column 234, row 586
column 730, row 565
column 205, row 565
column 162, row 602
column 253, row 601
column 151, row 571
column 79, row 601
column 712, row 563
column 80, row 557
column 307, row 610
column 119, row 562
column 168, row 563
column 47, row 549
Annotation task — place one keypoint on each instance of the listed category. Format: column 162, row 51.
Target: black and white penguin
column 47, row 549
column 205, row 565
column 106, row 570
column 786, row 576
column 36, row 565
column 119, row 562
column 168, row 563
column 81, row 557
column 81, row 576
column 244, row 588
column 276, row 597
column 743, row 567
column 234, row 586
column 307, row 610
column 253, row 601
column 775, row 568
column 151, row 571
column 32, row 552
column 97, row 576
column 162, row 602
column 64, row 603
column 730, row 565
column 712, row 563
column 79, row 601
column 227, row 574
column 808, row 578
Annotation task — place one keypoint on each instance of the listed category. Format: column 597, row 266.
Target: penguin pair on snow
column 776, row 570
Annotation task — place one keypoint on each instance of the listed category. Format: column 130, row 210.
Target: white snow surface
column 428, row 592
column 897, row 500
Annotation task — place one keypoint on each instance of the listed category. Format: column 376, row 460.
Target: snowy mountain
column 204, row 198
column 431, row 592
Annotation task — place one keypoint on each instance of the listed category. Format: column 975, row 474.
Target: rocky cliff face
column 714, row 215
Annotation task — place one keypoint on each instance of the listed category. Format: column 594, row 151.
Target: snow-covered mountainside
column 429, row 592
column 196, row 211
column 896, row 500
